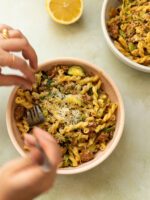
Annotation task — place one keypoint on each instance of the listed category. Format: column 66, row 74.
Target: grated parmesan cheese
column 69, row 116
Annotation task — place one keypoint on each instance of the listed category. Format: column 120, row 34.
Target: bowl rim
column 108, row 39
column 120, row 129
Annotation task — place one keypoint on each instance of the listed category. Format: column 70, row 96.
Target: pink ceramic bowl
column 114, row 94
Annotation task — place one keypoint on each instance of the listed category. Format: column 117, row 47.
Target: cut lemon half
column 65, row 11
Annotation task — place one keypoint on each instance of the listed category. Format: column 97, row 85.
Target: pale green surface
column 125, row 175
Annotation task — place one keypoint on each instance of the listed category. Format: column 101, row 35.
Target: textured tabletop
column 125, row 175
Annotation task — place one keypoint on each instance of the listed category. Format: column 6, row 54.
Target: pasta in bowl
column 83, row 111
column 126, row 28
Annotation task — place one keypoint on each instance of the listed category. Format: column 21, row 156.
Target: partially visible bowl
column 111, row 89
column 107, row 5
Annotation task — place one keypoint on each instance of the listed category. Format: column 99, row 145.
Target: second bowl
column 107, row 5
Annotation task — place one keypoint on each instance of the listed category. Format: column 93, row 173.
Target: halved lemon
column 65, row 11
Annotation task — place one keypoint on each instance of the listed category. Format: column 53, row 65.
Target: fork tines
column 35, row 116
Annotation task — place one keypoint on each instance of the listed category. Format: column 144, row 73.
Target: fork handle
column 46, row 165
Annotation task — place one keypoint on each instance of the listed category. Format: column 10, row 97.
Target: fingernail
column 35, row 67
column 39, row 132
column 36, row 127
column 27, row 85
column 29, row 137
column 33, row 79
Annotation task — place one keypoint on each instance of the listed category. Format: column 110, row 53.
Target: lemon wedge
column 65, row 11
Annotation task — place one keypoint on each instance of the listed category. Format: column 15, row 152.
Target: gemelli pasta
column 129, row 27
column 78, row 112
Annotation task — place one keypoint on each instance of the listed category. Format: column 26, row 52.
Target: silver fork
column 36, row 117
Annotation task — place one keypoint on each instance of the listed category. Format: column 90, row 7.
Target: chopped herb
column 66, row 140
column 78, row 87
column 92, row 147
column 68, row 91
column 100, row 113
column 61, row 89
column 131, row 47
column 83, row 117
column 49, row 94
column 67, row 162
column 90, row 92
column 49, row 82
column 108, row 130
column 98, row 91
column 125, row 3
column 70, row 163
column 44, row 75
column 60, row 137
column 122, row 33
column 67, row 145
column 66, row 158
column 42, row 97
column 45, row 112
column 124, row 22
column 147, row 29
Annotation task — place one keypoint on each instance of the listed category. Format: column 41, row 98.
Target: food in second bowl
column 129, row 27
column 78, row 112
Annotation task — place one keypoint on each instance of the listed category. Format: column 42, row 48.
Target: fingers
column 4, row 26
column 49, row 146
column 27, row 50
column 40, row 180
column 17, row 42
column 21, row 45
column 15, row 34
column 14, row 44
column 17, row 63
column 29, row 140
column 6, row 80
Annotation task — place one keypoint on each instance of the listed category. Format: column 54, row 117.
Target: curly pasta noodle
column 86, row 88
column 110, row 112
column 77, row 112
column 23, row 102
column 25, row 125
column 28, row 96
column 20, row 92
column 73, row 127
column 102, row 126
column 95, row 95
column 67, row 78
column 54, row 127
column 129, row 27
column 20, row 127
column 89, row 79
